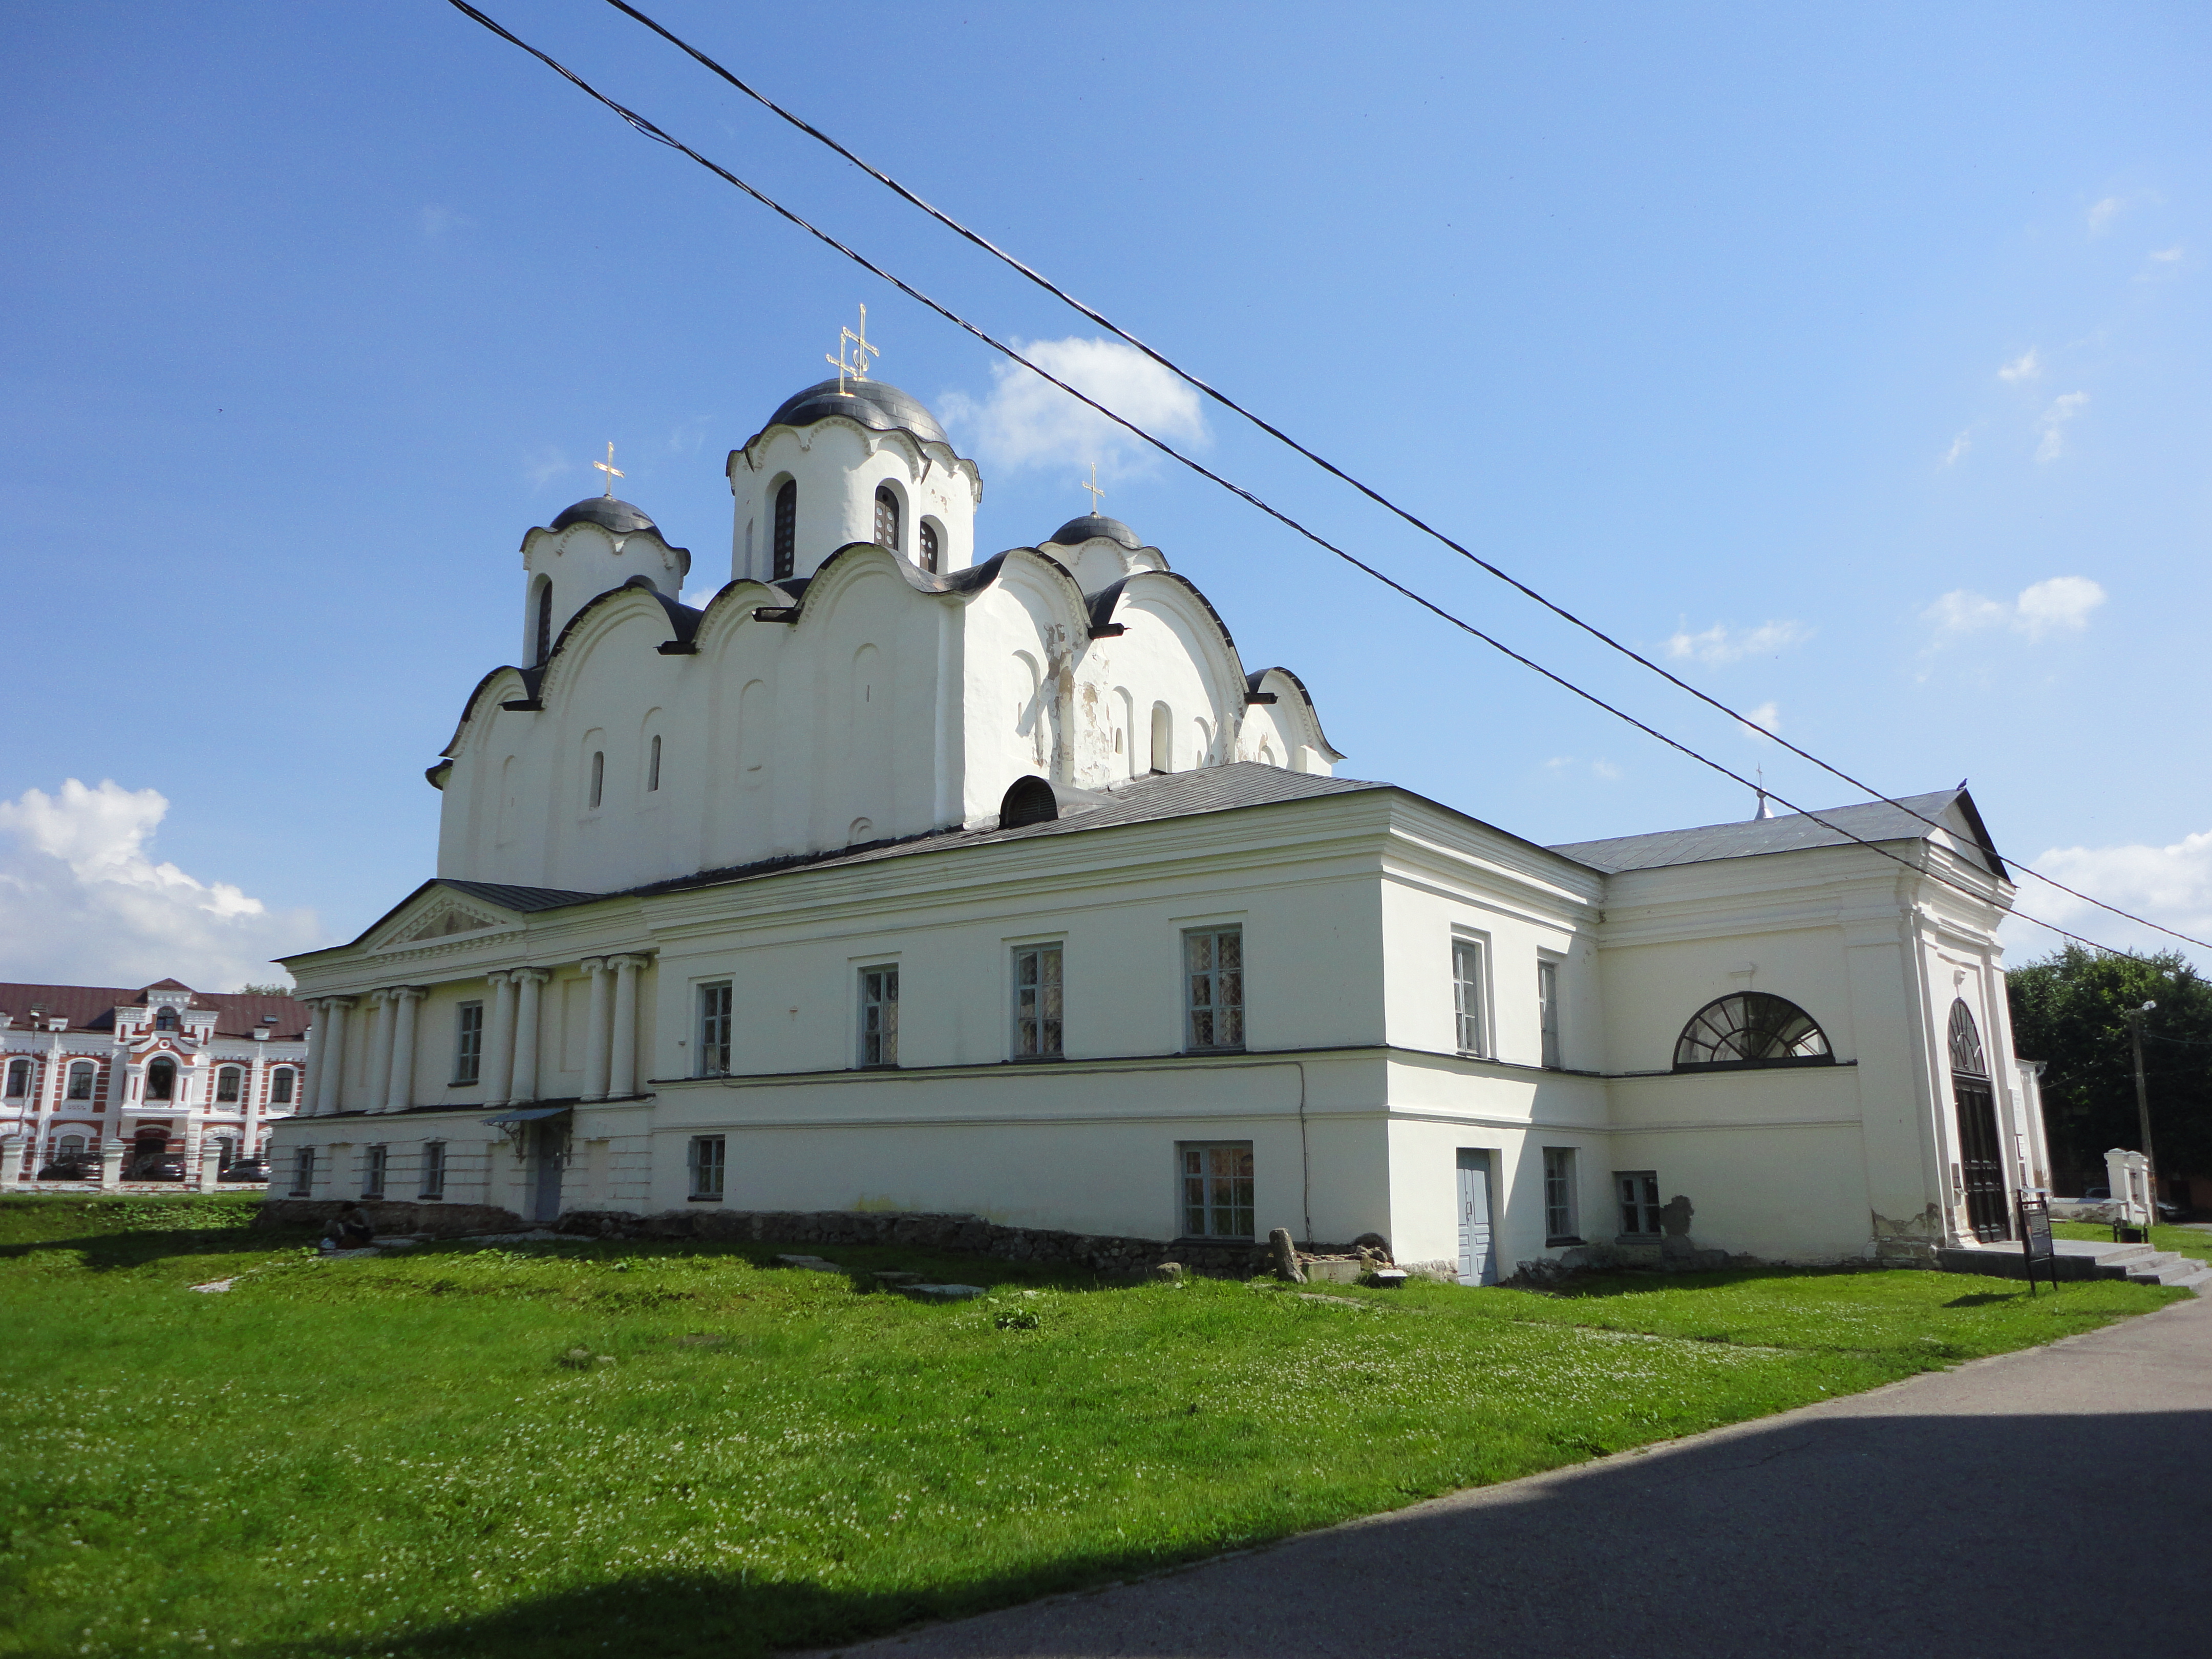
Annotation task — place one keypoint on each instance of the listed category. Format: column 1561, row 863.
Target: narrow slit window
column 371, row 1174
column 468, row 1042
column 787, row 529
column 713, row 1030
column 545, row 623
column 887, row 519
column 932, row 558
column 1547, row 1013
column 433, row 1168
column 599, row 776
column 1471, row 1030
column 653, row 766
column 1038, row 1006
column 303, row 1172
column 1560, row 1222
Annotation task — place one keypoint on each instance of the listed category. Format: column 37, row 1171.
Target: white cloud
column 1027, row 423
column 1604, row 769
column 81, row 901
column 2054, row 424
column 2168, row 256
column 1960, row 445
column 2102, row 214
column 2061, row 604
column 2171, row 885
column 1763, row 721
column 1721, row 644
column 2025, row 366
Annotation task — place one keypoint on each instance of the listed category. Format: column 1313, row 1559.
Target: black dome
column 872, row 403
column 604, row 511
column 1075, row 530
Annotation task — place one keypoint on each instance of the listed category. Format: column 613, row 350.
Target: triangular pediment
column 444, row 920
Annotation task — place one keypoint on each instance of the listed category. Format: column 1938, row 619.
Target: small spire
column 612, row 471
column 1096, row 492
column 1766, row 807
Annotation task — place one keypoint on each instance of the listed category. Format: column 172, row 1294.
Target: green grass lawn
column 2182, row 1241
column 411, row 1456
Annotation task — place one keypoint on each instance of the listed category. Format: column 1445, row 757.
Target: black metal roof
column 1075, row 530
column 618, row 516
column 872, row 403
column 1873, row 820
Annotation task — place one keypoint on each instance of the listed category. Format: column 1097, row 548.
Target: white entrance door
column 1478, row 1258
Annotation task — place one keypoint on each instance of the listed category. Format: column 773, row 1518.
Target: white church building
column 895, row 879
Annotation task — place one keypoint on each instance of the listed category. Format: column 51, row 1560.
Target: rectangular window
column 81, row 1079
column 280, row 1088
column 713, row 1030
column 1217, row 1188
column 1639, row 1202
column 879, row 1015
column 1037, row 1005
column 1471, row 1030
column 226, row 1084
column 433, row 1168
column 1213, row 962
column 705, row 1161
column 19, row 1079
column 303, row 1172
column 371, row 1174
column 468, row 1042
column 1559, row 1196
column 1548, row 1010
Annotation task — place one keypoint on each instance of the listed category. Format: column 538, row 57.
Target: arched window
column 1967, row 1042
column 1163, row 738
column 161, row 1080
column 166, row 1020
column 653, row 766
column 280, row 1086
column 1751, row 1029
column 82, row 1076
column 544, row 624
column 599, row 776
column 71, row 1147
column 19, row 1079
column 787, row 529
column 932, row 558
column 887, row 518
column 226, row 1084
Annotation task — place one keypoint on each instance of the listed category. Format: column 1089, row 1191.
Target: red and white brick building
column 163, row 1083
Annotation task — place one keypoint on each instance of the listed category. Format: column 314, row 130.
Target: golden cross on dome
column 1096, row 492
column 858, row 368
column 612, row 471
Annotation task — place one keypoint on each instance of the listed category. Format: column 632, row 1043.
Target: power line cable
column 648, row 130
column 1322, row 461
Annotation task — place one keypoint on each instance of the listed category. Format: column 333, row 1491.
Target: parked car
column 247, row 1169
column 2168, row 1211
column 71, row 1168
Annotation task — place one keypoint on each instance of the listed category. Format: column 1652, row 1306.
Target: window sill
column 704, row 1198
column 1225, row 1049
column 1562, row 1243
column 430, row 1198
column 466, row 1082
column 1036, row 1060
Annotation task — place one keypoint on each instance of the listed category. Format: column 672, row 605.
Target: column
column 379, row 1051
column 525, row 1033
column 111, row 1162
column 498, row 1041
column 598, row 1000
column 328, row 1082
column 400, row 1091
column 256, row 1080
column 624, row 1081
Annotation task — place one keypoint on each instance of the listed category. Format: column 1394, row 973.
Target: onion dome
column 616, row 517
column 1076, row 532
column 872, row 403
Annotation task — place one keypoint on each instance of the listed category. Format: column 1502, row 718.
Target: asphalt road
column 2058, row 1500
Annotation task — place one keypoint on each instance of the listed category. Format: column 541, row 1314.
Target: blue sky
column 1852, row 360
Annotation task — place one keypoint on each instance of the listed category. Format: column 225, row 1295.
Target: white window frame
column 1203, row 1183
column 20, row 1072
column 1044, row 1014
column 878, row 1016
column 87, row 1069
column 1214, row 1008
column 375, row 1169
column 236, row 1077
column 1470, row 969
column 434, row 1170
column 303, row 1171
column 714, row 1011
column 1562, row 1203
column 1547, row 1011
column 1636, row 1194
column 284, row 1086
column 468, row 1057
column 706, row 1161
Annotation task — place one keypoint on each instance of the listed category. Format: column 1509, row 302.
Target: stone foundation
column 390, row 1216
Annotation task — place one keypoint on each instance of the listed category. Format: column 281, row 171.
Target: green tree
column 273, row 989
column 2070, row 1011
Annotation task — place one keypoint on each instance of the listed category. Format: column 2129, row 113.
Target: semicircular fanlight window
column 1750, row 1028
column 1967, row 1042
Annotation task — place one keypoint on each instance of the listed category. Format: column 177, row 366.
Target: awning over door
column 526, row 1114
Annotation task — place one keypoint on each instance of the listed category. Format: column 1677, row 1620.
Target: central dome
column 872, row 403
column 1076, row 532
column 616, row 517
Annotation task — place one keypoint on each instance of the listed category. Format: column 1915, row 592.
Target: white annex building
column 163, row 1083
column 896, row 878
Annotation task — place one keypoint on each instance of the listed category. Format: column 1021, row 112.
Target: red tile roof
column 92, row 1008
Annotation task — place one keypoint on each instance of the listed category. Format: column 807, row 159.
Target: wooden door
column 1478, row 1255
column 545, row 1198
column 1981, row 1160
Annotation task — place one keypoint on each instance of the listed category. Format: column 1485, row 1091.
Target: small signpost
column 2035, row 1240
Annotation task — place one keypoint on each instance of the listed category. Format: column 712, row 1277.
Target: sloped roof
column 92, row 1008
column 1792, row 832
